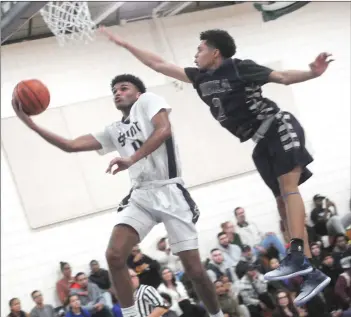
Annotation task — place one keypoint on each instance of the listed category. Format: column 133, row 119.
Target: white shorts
column 171, row 204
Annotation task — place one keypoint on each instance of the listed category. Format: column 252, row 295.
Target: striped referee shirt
column 147, row 299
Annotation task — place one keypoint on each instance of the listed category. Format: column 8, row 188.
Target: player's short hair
column 221, row 234
column 220, row 40
column 136, row 81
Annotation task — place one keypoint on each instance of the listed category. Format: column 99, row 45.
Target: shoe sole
column 315, row 292
column 284, row 277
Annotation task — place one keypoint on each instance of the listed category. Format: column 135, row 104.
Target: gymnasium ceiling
column 21, row 21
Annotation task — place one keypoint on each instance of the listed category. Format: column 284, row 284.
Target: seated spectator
column 285, row 306
column 64, row 285
column 229, row 228
column 247, row 257
column 15, row 308
column 217, row 267
column 182, row 304
column 41, row 309
column 324, row 217
column 316, row 255
column 75, row 309
column 101, row 278
column 253, row 290
column 163, row 255
column 147, row 299
column 328, row 268
column 148, row 270
column 231, row 252
column 90, row 297
column 252, row 236
column 227, row 303
column 274, row 286
column 341, row 251
column 316, row 306
column 343, row 291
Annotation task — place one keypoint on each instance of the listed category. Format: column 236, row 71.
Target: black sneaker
column 294, row 264
column 314, row 283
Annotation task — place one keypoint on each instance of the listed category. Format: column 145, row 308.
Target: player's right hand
column 17, row 107
column 112, row 37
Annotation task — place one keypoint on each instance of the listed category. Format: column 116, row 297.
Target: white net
column 69, row 21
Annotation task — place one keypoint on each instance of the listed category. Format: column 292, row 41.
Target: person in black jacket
column 101, row 278
column 148, row 269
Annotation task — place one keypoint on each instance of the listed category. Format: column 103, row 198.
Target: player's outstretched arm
column 288, row 77
column 149, row 59
column 80, row 144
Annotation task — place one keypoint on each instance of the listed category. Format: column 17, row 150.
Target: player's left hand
column 122, row 163
column 320, row 65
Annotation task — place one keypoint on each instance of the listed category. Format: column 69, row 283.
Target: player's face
column 125, row 94
column 205, row 56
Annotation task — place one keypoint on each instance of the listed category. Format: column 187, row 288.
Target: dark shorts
column 281, row 150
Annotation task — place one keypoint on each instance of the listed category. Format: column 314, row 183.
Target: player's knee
column 115, row 258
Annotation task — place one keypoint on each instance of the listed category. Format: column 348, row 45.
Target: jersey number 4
column 137, row 145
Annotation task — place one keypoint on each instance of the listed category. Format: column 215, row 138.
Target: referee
column 148, row 301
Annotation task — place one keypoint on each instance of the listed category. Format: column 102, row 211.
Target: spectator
column 41, row 309
column 64, row 285
column 148, row 270
column 182, row 304
column 101, row 278
column 15, row 308
column 228, row 304
column 75, row 309
column 328, row 268
column 341, row 251
column 275, row 286
column 247, row 257
column 217, row 267
column 253, row 290
column 285, row 306
column 324, row 217
column 165, row 258
column 90, row 297
column 251, row 235
column 316, row 255
column 229, row 228
column 147, row 299
column 343, row 291
column 231, row 252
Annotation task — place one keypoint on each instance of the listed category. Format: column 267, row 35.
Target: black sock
column 296, row 245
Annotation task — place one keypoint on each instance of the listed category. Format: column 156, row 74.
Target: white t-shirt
column 128, row 136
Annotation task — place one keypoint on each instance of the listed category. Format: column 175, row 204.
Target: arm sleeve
column 153, row 104
column 104, row 138
column 251, row 72
column 192, row 73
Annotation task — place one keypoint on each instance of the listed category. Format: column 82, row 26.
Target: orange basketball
column 33, row 95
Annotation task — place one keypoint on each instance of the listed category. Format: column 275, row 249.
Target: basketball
column 33, row 95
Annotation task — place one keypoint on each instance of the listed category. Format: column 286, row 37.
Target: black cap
column 318, row 196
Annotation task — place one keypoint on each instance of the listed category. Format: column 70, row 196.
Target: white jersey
column 128, row 136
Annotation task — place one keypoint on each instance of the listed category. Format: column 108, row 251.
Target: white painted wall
column 30, row 258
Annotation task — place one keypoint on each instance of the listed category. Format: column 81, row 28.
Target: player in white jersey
column 146, row 146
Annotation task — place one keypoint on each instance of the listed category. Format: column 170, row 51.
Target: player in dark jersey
column 232, row 89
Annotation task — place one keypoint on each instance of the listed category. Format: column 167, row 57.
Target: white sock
column 219, row 314
column 130, row 312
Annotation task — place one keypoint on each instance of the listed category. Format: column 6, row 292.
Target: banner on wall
column 272, row 10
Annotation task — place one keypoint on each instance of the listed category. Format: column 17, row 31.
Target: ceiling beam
column 177, row 9
column 17, row 16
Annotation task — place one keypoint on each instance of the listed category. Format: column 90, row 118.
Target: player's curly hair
column 137, row 82
column 220, row 40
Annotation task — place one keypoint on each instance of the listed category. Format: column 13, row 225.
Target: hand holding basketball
column 112, row 37
column 17, row 107
column 320, row 65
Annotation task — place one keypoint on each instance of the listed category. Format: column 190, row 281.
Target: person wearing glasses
column 41, row 309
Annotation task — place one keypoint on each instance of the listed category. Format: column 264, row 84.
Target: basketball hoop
column 69, row 21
